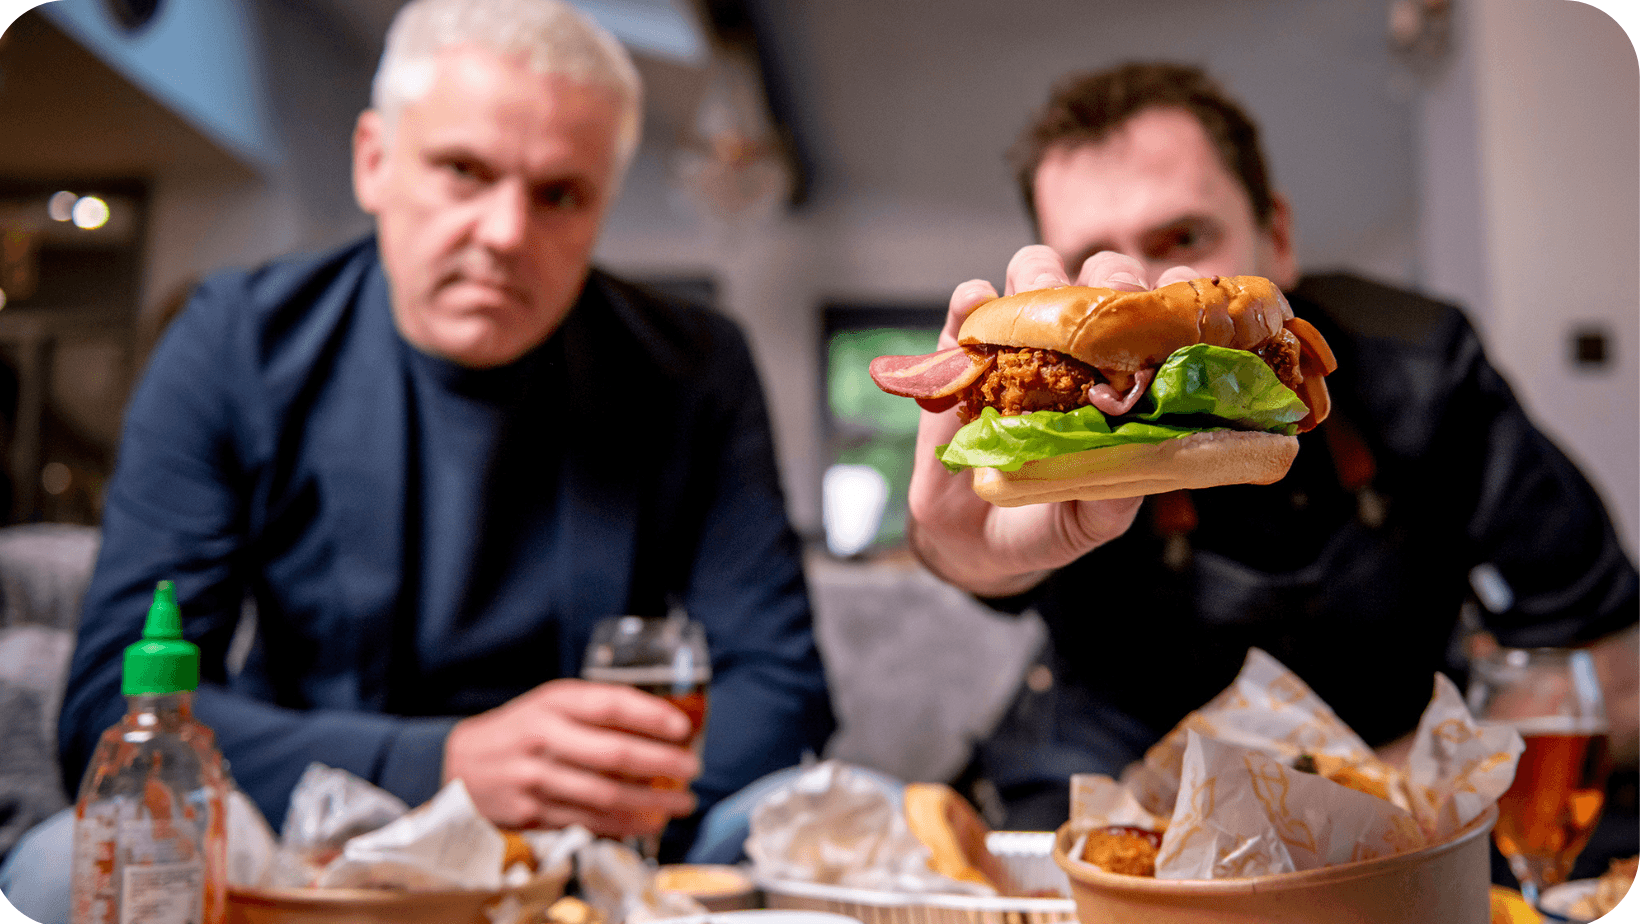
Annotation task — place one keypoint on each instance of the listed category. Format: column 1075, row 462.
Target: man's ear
column 369, row 160
column 1279, row 262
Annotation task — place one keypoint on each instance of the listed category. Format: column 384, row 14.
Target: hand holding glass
column 665, row 657
column 1552, row 697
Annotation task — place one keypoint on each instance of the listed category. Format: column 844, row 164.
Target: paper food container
column 1028, row 855
column 377, row 906
column 1448, row 882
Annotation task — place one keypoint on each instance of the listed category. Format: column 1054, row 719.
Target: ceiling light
column 61, row 205
column 90, row 213
column 731, row 164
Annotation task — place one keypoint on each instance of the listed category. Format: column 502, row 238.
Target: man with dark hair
column 1088, row 110
column 1352, row 570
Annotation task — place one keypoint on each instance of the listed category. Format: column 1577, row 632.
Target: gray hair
column 554, row 37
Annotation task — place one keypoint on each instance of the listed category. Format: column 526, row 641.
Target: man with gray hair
column 434, row 458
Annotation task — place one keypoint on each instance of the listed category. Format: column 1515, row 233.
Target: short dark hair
column 1087, row 108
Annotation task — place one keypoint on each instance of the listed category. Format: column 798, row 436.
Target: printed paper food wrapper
column 1223, row 789
column 1243, row 813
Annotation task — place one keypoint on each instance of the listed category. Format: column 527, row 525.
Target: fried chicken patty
column 1026, row 379
column 1281, row 353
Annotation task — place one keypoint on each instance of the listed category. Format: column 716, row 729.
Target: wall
column 277, row 89
column 1532, row 216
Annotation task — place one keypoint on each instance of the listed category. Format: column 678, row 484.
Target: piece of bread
column 1198, row 460
column 1121, row 331
column 954, row 834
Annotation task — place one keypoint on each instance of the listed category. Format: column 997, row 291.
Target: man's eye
column 464, row 170
column 561, row 196
column 1177, row 244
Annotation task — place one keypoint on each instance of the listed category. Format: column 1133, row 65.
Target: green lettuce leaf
column 1198, row 388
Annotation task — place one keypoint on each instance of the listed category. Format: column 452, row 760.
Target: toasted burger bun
column 955, row 836
column 1119, row 331
column 1199, row 460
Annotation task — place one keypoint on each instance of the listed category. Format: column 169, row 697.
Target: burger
column 1085, row 393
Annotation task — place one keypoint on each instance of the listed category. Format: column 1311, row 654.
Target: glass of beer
column 664, row 656
column 1552, row 697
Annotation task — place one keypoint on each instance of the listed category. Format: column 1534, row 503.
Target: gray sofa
column 43, row 571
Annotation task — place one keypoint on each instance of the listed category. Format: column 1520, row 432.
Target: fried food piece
column 571, row 910
column 1508, row 907
column 701, row 880
column 1359, row 777
column 1122, row 849
column 518, row 851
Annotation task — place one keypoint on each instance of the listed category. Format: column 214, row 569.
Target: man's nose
column 503, row 217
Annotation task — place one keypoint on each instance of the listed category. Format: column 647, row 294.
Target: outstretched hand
column 997, row 551
column 576, row 752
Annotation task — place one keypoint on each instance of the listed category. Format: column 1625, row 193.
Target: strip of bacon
column 1314, row 353
column 1315, row 361
column 1113, row 403
column 932, row 376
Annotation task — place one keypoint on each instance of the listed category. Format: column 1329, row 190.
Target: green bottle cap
column 162, row 662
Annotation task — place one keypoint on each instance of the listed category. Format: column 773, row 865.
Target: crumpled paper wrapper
column 343, row 832
column 620, row 886
column 1221, row 788
column 833, row 824
column 444, row 844
column 328, row 807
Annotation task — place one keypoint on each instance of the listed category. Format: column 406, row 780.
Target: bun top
column 1127, row 331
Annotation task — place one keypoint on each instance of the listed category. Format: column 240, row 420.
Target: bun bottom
column 1200, row 460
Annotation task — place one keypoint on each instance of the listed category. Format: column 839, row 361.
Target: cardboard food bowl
column 1448, row 882
column 384, row 906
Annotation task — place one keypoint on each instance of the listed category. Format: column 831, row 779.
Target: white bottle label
column 163, row 893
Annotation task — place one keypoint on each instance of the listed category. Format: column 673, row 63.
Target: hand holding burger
column 1074, row 401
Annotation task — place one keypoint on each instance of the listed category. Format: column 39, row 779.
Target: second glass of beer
column 1552, row 697
column 664, row 656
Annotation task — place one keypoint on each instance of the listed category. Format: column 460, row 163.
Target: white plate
column 1556, row 901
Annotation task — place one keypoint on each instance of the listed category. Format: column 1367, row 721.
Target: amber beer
column 1548, row 813
column 687, row 693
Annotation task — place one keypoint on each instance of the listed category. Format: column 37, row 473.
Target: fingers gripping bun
column 1200, row 460
column 1126, row 331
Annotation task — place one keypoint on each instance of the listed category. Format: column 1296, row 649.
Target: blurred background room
column 825, row 173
